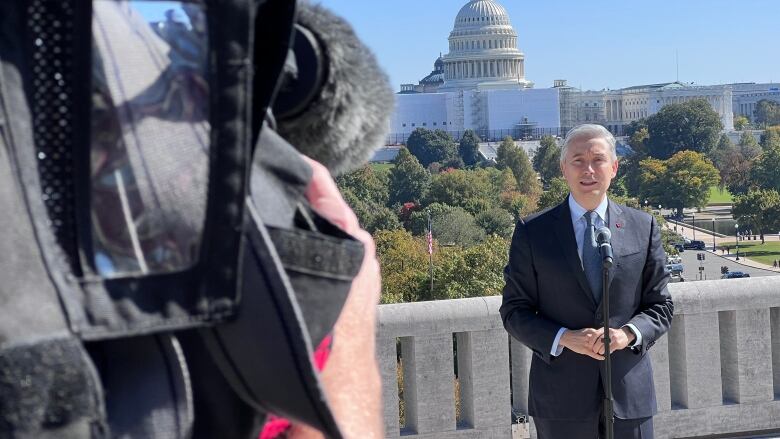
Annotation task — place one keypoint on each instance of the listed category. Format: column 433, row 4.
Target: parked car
column 694, row 245
column 674, row 259
column 676, row 278
column 674, row 268
column 680, row 247
column 734, row 275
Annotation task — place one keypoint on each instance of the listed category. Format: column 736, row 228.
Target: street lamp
column 736, row 235
column 713, row 234
column 693, row 224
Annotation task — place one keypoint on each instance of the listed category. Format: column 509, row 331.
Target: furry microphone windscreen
column 350, row 117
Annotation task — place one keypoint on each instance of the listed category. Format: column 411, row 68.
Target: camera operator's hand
column 351, row 376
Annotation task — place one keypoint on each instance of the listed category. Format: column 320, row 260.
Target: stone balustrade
column 717, row 371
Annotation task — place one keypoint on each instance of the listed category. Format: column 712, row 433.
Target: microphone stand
column 609, row 416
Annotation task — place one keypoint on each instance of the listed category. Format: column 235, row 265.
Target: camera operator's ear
column 336, row 103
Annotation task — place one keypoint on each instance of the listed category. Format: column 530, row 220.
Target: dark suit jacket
column 546, row 289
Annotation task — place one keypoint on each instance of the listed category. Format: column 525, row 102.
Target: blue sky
column 594, row 44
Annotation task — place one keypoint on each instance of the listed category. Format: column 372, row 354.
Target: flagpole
column 430, row 250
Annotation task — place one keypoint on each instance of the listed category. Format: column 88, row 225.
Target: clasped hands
column 590, row 341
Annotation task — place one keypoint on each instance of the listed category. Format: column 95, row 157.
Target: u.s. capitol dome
column 483, row 50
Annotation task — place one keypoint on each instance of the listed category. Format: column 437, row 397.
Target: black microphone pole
column 605, row 248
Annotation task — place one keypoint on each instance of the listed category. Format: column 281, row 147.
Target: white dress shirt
column 579, row 222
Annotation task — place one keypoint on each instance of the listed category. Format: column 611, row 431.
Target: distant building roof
column 386, row 154
column 662, row 85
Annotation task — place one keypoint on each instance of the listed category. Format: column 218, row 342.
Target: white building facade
column 747, row 96
column 480, row 84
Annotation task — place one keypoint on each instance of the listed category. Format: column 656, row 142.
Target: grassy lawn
column 754, row 250
column 719, row 197
column 382, row 166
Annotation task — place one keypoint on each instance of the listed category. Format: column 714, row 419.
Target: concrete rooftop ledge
column 717, row 371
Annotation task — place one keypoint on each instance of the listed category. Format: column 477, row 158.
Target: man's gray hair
column 589, row 131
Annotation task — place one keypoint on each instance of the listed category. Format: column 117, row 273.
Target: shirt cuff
column 557, row 349
column 638, row 339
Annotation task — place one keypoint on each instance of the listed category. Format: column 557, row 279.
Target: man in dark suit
column 553, row 294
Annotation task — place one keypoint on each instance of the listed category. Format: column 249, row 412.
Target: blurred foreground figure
column 169, row 259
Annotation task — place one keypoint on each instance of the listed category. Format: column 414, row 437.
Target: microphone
column 336, row 102
column 603, row 237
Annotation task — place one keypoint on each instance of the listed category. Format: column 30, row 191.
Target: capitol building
column 480, row 84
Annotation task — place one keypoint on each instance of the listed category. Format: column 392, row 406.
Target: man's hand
column 351, row 377
column 583, row 341
column 618, row 339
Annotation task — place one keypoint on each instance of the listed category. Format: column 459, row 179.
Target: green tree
column 736, row 165
column 403, row 259
column 721, row 152
column 748, row 142
column 475, row 190
column 496, row 221
column 766, row 170
column 629, row 173
column 556, row 192
column 741, row 122
column 476, row 271
column 547, row 159
column 432, row 146
column 418, row 220
column 735, row 171
column 692, row 125
column 408, row 181
column 457, row 227
column 372, row 216
column 366, row 184
column 682, row 181
column 638, row 139
column 759, row 209
column 468, row 148
column 470, row 189
column 515, row 158
column 767, row 112
column 770, row 138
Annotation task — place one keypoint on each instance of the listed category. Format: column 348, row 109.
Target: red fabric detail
column 275, row 426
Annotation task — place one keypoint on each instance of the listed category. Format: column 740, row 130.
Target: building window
column 412, row 125
column 445, row 122
column 425, row 124
column 403, row 125
column 434, row 124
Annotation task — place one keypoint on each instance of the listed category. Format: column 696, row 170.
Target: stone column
column 745, row 366
column 429, row 393
column 388, row 369
column 483, row 358
column 659, row 353
column 694, row 356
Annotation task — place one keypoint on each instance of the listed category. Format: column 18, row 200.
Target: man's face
column 588, row 168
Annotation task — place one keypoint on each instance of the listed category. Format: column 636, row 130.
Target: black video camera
column 162, row 273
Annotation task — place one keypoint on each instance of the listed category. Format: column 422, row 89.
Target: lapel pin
column 618, row 225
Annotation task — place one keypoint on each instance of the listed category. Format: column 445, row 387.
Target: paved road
column 712, row 265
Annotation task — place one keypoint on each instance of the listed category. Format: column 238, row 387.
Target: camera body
column 163, row 274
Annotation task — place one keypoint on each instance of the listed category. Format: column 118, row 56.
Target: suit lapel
column 565, row 233
column 617, row 228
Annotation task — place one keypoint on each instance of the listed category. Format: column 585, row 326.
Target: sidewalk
column 688, row 232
